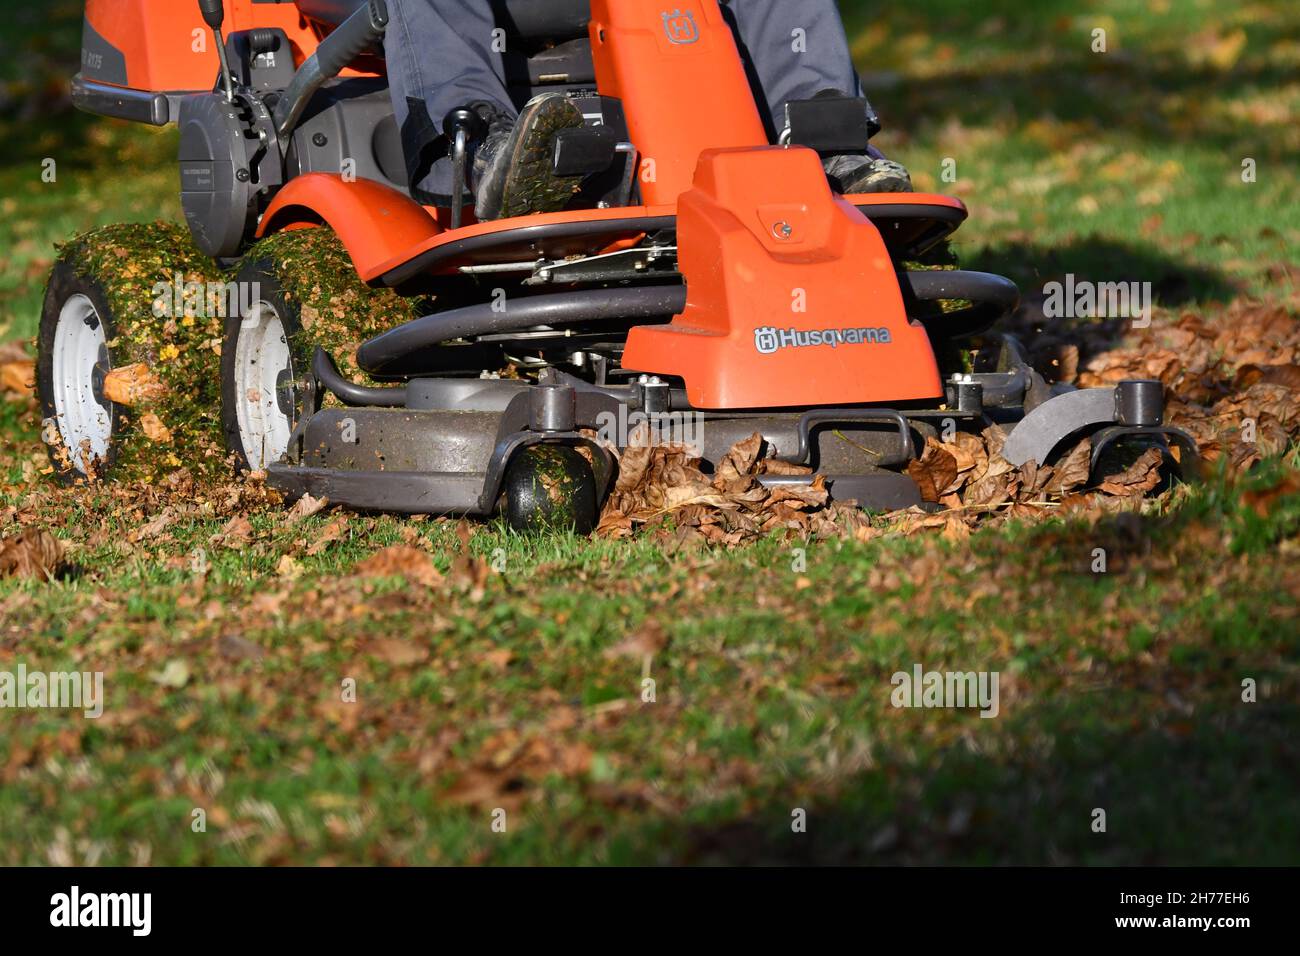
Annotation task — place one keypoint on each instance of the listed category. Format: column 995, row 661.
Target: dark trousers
column 441, row 57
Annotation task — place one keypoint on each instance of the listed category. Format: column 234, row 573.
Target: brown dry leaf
column 1139, row 478
column 237, row 647
column 306, row 506
column 154, row 429
column 934, row 471
column 464, row 534
column 236, row 532
column 35, row 554
column 1287, row 376
column 397, row 651
column 133, row 385
column 18, row 377
column 487, row 788
column 336, row 530
column 289, row 568
column 499, row 659
column 646, row 642
column 1263, row 501
column 970, row 453
column 1072, row 471
column 400, row 561
column 737, row 465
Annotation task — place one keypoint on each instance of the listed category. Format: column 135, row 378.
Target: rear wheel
column 261, row 363
column 80, row 426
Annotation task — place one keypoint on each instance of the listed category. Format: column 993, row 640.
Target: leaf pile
column 33, row 553
column 656, row 481
column 1233, row 384
column 1231, row 381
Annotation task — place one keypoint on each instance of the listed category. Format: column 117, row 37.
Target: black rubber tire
column 550, row 488
column 64, row 283
column 264, row 272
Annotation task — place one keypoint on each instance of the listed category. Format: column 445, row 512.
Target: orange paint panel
column 167, row 46
column 375, row 223
column 683, row 85
column 792, row 298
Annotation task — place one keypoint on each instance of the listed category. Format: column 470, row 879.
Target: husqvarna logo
column 769, row 340
column 681, row 27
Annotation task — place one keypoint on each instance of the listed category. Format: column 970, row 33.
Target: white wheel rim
column 261, row 354
column 85, row 426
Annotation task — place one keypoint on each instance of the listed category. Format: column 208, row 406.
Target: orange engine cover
column 792, row 299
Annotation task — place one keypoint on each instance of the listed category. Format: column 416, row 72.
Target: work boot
column 867, row 174
column 514, row 172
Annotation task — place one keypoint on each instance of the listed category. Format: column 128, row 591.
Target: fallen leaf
column 154, row 429
column 395, row 650
column 400, row 561
column 934, row 471
column 133, row 386
column 33, row 554
column 1139, row 478
column 239, row 648
column 175, row 674
column 306, row 506
column 18, row 377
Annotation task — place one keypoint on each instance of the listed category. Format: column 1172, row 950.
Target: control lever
column 359, row 32
column 461, row 126
column 214, row 14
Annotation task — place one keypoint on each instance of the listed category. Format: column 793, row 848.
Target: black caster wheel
column 550, row 488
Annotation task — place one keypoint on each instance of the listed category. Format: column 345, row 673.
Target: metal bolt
column 243, row 175
column 783, row 230
column 319, row 139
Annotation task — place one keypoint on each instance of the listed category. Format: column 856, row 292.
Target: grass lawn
column 623, row 702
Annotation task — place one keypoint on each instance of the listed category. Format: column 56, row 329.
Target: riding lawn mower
column 702, row 270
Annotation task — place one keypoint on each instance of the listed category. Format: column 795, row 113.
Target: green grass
column 1120, row 691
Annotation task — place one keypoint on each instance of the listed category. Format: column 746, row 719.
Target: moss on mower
column 338, row 311
column 157, row 285
column 170, row 303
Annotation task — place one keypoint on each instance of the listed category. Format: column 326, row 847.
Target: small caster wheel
column 550, row 488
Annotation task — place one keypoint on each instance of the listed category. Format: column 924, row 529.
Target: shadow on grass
column 1174, row 281
column 1129, row 99
column 1210, row 789
column 1155, row 734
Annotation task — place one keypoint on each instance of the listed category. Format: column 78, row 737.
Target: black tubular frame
column 387, row 349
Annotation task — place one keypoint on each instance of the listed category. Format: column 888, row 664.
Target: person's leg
column 794, row 50
column 440, row 58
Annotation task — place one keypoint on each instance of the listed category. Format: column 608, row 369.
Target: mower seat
column 525, row 19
